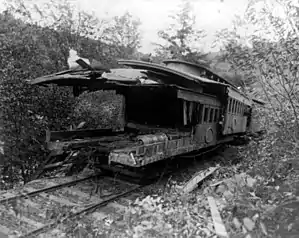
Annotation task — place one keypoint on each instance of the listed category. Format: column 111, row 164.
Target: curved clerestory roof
column 165, row 75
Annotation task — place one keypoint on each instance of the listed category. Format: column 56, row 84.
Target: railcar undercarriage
column 130, row 152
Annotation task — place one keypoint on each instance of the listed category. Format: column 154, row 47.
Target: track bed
column 43, row 204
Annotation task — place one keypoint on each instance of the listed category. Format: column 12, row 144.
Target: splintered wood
column 198, row 177
column 218, row 224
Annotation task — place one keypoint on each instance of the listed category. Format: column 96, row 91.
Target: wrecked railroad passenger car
column 167, row 110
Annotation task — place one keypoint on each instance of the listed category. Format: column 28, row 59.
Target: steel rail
column 204, row 152
column 48, row 189
column 85, row 210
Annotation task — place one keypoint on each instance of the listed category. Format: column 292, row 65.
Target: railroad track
column 37, row 209
column 42, row 206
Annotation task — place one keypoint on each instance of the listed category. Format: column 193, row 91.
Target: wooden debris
column 248, row 223
column 55, row 165
column 198, row 177
column 263, row 228
column 4, row 232
column 217, row 183
column 76, row 134
column 83, row 64
column 40, row 169
column 237, row 223
column 218, row 224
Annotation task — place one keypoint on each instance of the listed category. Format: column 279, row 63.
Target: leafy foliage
column 124, row 33
column 31, row 46
column 23, row 118
column 181, row 38
column 270, row 66
column 269, row 202
column 168, row 216
column 97, row 110
column 269, row 61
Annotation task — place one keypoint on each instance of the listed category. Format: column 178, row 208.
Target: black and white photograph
column 149, row 118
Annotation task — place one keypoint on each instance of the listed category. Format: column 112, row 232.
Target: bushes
column 100, row 109
column 27, row 111
column 29, row 51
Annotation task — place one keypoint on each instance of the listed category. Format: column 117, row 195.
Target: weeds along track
column 46, row 207
column 39, row 207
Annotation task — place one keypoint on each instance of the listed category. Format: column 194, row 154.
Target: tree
column 123, row 32
column 36, row 46
column 271, row 60
column 181, row 38
column 28, row 111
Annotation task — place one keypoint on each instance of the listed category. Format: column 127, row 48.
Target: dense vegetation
column 30, row 49
column 265, row 68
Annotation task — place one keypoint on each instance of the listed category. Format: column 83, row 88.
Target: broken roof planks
column 162, row 75
column 62, row 80
column 157, row 68
column 68, row 77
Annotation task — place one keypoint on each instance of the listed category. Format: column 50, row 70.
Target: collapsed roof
column 176, row 73
column 149, row 72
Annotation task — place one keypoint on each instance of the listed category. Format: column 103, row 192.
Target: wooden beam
column 55, row 165
column 83, row 64
column 64, row 135
column 40, row 169
column 218, row 223
column 197, row 178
